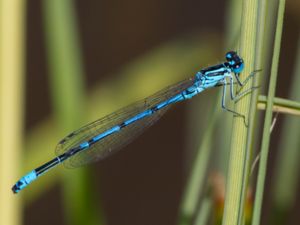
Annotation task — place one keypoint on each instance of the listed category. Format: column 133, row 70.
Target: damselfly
column 105, row 136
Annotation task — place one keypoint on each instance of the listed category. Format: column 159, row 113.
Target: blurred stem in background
column 286, row 180
column 203, row 216
column 197, row 178
column 233, row 24
column 67, row 87
column 11, row 105
column 268, row 118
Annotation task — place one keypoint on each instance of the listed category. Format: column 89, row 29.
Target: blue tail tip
column 16, row 188
column 24, row 181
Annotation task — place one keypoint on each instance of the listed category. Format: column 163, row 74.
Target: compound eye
column 230, row 55
column 238, row 68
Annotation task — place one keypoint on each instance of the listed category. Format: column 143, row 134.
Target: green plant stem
column 66, row 79
column 254, row 97
column 234, row 205
column 280, row 105
column 288, row 160
column 233, row 24
column 232, row 39
column 11, row 106
column 268, row 118
column 205, row 210
column 196, row 181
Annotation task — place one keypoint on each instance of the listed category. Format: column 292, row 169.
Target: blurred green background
column 65, row 63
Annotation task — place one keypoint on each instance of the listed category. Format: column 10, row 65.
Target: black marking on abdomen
column 154, row 109
column 122, row 125
column 91, row 141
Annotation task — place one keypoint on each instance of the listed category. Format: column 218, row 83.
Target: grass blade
column 197, row 180
column 66, row 79
column 202, row 217
column 268, row 118
column 285, row 191
column 11, row 105
column 280, row 105
column 234, row 205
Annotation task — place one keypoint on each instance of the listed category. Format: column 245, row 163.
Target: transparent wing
column 115, row 141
